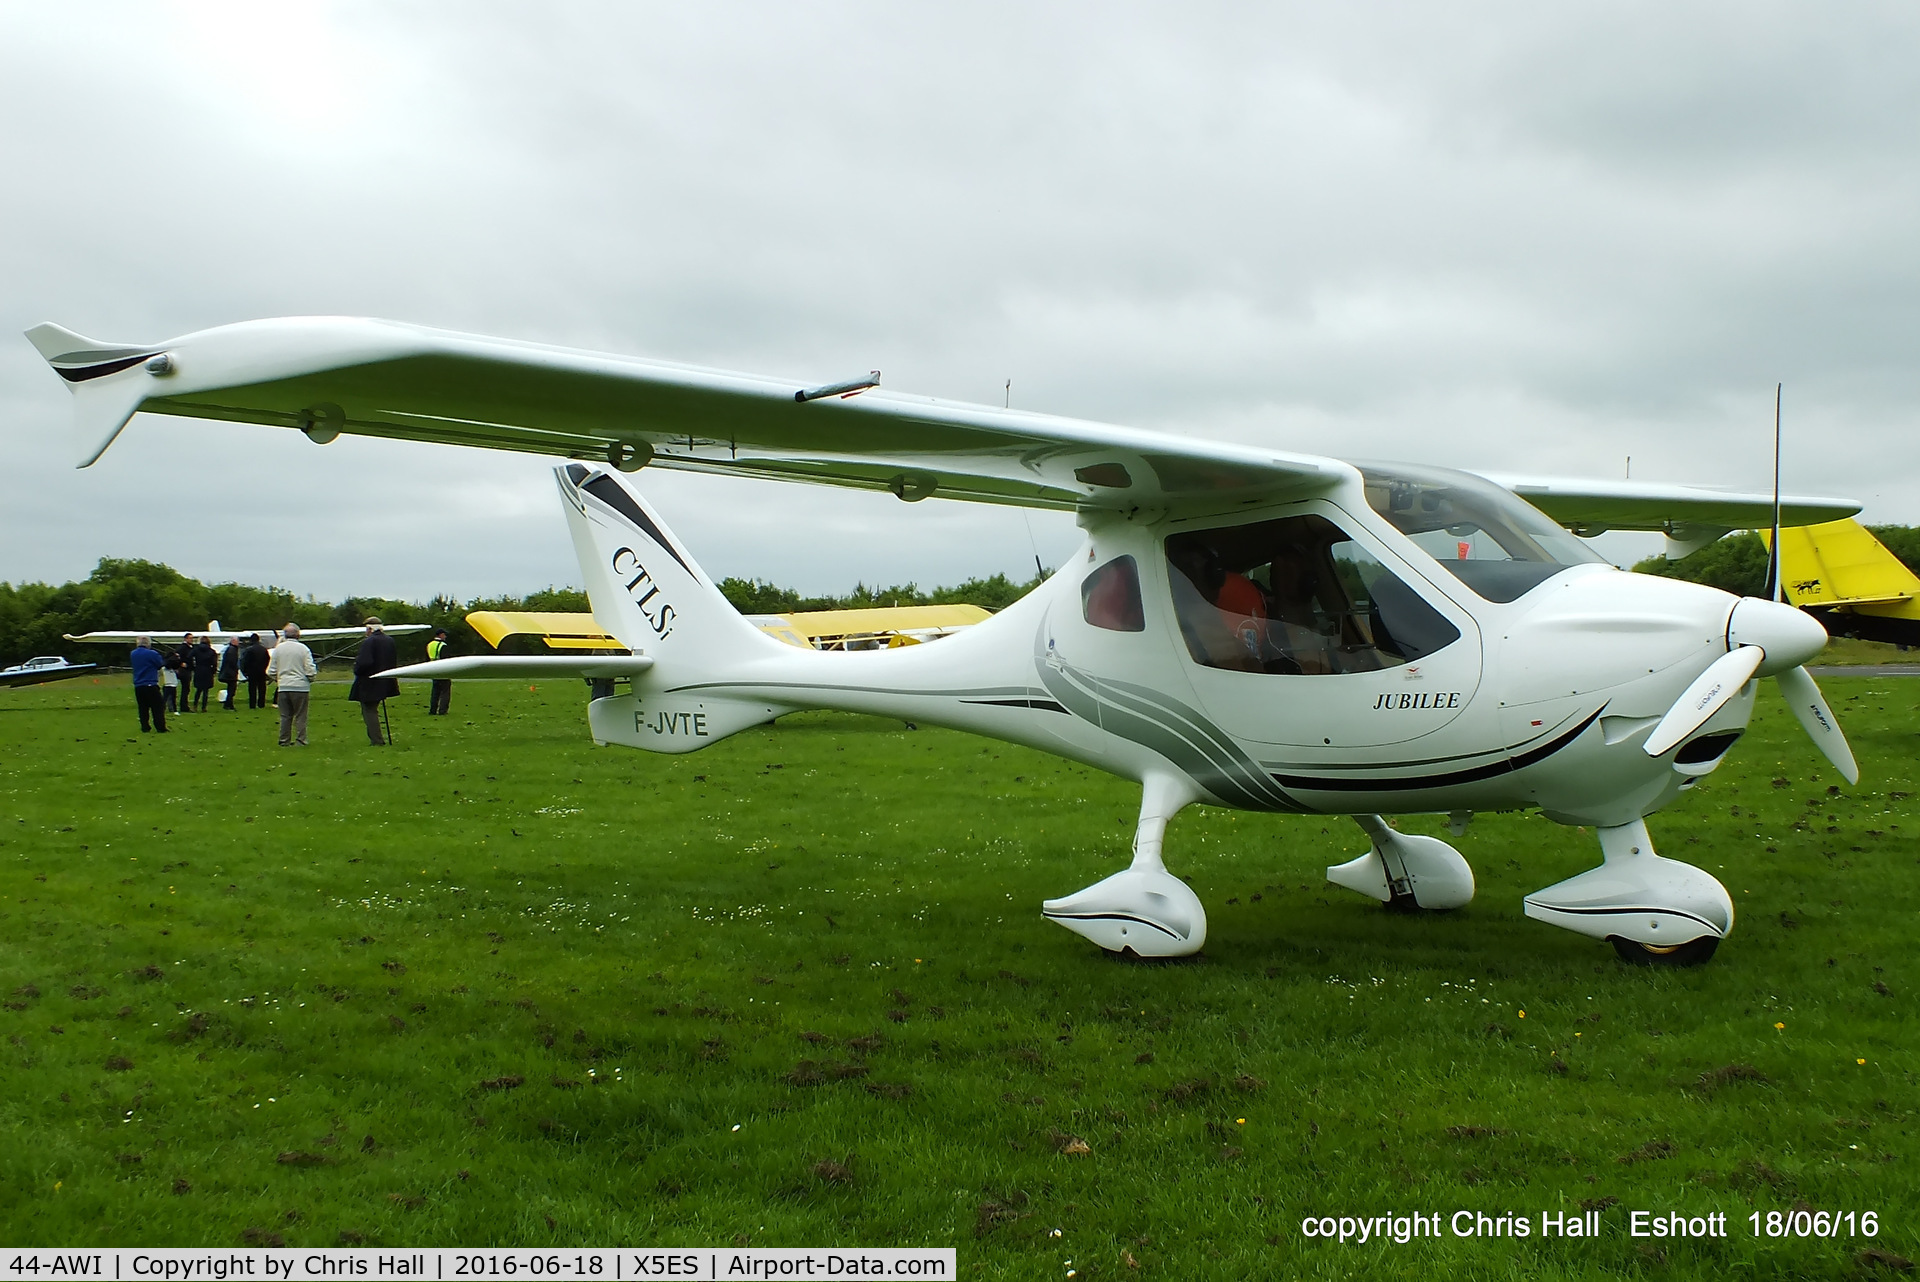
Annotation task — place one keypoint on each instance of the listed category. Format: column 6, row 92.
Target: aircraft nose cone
column 1790, row 637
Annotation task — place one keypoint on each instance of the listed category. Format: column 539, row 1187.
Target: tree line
column 122, row 594
column 127, row 593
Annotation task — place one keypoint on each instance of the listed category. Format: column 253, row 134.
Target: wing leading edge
column 328, row 376
column 332, row 376
column 1690, row 516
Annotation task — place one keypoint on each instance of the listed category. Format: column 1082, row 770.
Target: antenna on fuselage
column 1775, row 590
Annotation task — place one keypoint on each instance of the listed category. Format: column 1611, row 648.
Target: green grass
column 1850, row 652
column 796, row 990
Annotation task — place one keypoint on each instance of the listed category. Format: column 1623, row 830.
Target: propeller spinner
column 1766, row 639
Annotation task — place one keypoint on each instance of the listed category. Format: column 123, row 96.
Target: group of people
column 181, row 681
column 187, row 675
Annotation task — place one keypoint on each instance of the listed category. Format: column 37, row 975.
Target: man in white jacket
column 291, row 664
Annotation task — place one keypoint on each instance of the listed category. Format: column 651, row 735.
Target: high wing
column 561, row 630
column 214, row 632
column 332, row 375
column 328, row 376
column 1690, row 516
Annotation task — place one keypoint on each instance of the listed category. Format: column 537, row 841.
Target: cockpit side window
column 1296, row 596
column 1110, row 597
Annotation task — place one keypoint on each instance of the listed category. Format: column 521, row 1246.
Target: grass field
column 1850, row 652
column 496, row 986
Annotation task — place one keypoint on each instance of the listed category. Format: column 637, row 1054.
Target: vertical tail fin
column 645, row 588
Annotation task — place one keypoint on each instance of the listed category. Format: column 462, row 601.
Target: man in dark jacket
column 253, row 666
column 182, row 665
column 230, row 671
column 146, row 685
column 205, row 662
column 369, row 687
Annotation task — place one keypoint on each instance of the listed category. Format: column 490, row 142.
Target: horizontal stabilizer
column 594, row 667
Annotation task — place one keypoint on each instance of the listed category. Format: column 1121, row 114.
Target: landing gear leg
column 1146, row 909
column 1654, row 911
column 1405, row 872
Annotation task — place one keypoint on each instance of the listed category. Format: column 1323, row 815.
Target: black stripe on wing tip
column 99, row 369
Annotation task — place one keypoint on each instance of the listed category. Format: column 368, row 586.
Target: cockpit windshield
column 1492, row 540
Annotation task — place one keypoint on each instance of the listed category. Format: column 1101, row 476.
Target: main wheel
column 1694, row 952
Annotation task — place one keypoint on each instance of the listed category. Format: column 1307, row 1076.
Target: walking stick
column 386, row 722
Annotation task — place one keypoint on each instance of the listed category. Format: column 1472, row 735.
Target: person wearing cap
column 370, row 689
column 442, row 690
column 291, row 665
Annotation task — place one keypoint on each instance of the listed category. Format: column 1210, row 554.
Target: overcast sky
column 1519, row 237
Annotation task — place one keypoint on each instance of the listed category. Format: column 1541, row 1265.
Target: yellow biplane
column 1843, row 576
column 879, row 628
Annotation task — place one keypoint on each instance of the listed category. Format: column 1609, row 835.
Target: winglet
column 107, row 386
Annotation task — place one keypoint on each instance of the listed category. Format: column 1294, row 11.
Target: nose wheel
column 1695, row 952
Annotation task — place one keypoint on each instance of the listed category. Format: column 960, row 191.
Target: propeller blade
column 1816, row 718
column 1708, row 693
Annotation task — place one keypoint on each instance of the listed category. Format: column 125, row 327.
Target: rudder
column 646, row 590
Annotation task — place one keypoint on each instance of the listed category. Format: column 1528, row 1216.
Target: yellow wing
column 1850, row 581
column 561, row 631
column 817, row 629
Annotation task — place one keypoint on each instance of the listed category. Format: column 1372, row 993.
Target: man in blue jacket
column 146, row 686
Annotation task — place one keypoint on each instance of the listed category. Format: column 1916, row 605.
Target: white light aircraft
column 42, row 669
column 1242, row 627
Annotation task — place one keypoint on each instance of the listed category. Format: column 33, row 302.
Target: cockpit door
column 1299, row 628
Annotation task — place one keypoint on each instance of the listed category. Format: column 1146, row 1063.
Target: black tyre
column 1694, row 952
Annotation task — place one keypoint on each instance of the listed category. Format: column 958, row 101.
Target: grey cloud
column 1525, row 237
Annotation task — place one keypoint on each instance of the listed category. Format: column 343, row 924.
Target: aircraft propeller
column 1767, row 639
